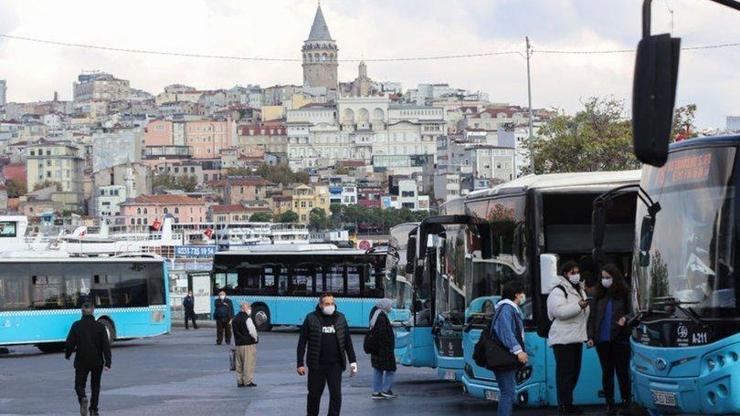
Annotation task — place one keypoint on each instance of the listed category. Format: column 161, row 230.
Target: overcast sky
column 372, row 29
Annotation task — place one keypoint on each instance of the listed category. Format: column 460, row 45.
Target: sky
column 374, row 29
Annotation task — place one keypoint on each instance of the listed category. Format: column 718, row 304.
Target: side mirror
column 653, row 97
column 548, row 272
column 646, row 239
column 486, row 241
column 410, row 255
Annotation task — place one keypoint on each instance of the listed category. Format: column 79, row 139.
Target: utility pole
column 529, row 94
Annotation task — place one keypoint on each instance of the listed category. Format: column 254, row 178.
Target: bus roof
column 727, row 140
column 294, row 249
column 60, row 256
column 560, row 180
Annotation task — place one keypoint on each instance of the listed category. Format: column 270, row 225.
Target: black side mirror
column 410, row 254
column 486, row 241
column 646, row 239
column 653, row 97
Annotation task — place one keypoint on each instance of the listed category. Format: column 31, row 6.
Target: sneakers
column 83, row 406
column 377, row 396
column 251, row 385
column 94, row 413
column 388, row 394
column 240, row 384
column 569, row 410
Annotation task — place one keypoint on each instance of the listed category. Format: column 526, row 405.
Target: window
column 47, row 287
column 334, row 279
column 301, row 280
column 8, row 229
column 14, row 287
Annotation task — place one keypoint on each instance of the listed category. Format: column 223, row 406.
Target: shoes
column 94, row 413
column 625, row 409
column 569, row 409
column 251, row 385
column 83, row 406
column 377, row 396
column 218, row 343
column 388, row 394
column 240, row 385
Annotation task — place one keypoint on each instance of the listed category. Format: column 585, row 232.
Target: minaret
column 320, row 55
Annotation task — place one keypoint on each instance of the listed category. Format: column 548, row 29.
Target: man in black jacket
column 88, row 339
column 223, row 312
column 326, row 333
column 188, row 304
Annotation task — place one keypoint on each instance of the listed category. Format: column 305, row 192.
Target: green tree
column 261, row 217
column 288, row 216
column 183, row 183
column 281, row 174
column 15, row 188
column 318, row 220
column 597, row 138
column 683, row 123
column 46, row 184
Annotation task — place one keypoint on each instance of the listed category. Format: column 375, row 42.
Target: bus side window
column 15, row 287
column 47, row 288
column 355, row 276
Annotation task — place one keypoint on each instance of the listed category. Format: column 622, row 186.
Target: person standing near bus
column 88, row 340
column 609, row 333
column 568, row 309
column 383, row 359
column 188, row 304
column 223, row 312
column 324, row 342
column 508, row 326
column 245, row 339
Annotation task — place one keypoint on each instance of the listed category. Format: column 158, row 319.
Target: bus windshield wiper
column 678, row 304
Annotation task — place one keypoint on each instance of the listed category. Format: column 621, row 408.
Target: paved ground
column 185, row 374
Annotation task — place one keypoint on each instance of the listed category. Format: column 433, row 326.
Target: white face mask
column 222, row 297
column 522, row 299
column 575, row 278
column 607, row 283
column 248, row 312
column 328, row 310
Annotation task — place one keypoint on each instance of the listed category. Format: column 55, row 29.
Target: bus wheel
column 261, row 317
column 51, row 347
column 109, row 330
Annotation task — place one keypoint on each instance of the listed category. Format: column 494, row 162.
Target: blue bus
column 686, row 344
column 435, row 266
column 283, row 282
column 533, row 223
column 41, row 296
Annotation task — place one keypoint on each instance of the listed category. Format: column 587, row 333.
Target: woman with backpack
column 609, row 333
column 568, row 309
column 507, row 328
column 380, row 344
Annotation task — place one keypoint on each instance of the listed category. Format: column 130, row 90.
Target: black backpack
column 491, row 354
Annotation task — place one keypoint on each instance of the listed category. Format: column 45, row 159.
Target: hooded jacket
column 569, row 321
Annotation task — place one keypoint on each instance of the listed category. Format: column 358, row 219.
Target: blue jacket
column 508, row 326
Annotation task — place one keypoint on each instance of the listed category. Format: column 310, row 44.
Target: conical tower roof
column 319, row 29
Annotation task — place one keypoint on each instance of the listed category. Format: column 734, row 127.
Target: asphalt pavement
column 185, row 373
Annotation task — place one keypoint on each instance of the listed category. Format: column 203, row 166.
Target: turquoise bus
column 40, row 297
column 283, row 282
column 534, row 223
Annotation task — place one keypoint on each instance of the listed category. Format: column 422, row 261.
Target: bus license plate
column 493, row 395
column 664, row 398
column 449, row 375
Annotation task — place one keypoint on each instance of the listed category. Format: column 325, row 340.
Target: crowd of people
column 325, row 346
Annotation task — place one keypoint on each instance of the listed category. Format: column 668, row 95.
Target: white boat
column 235, row 236
column 290, row 233
column 82, row 243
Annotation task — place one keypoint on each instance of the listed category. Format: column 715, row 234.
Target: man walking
column 88, row 339
column 245, row 339
column 223, row 312
column 326, row 334
column 188, row 304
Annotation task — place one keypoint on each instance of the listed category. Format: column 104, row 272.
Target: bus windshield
column 693, row 243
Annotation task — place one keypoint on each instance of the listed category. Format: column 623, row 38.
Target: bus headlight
column 523, row 374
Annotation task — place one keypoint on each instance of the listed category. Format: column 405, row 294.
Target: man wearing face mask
column 223, row 312
column 245, row 339
column 568, row 309
column 325, row 334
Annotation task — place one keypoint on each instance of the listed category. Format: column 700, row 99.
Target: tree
column 288, row 216
column 47, row 184
column 15, row 188
column 683, row 123
column 183, row 183
column 597, row 138
column 261, row 217
column 318, row 220
column 281, row 174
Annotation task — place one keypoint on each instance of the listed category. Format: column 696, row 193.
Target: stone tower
column 320, row 55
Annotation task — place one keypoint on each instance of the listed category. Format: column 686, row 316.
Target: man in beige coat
column 245, row 339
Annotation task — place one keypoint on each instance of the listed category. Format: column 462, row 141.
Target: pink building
column 159, row 133
column 206, row 138
column 146, row 209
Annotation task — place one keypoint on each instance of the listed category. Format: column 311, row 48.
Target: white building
column 108, row 200
column 100, row 86
column 117, row 148
column 3, row 92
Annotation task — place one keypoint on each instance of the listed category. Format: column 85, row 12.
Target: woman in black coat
column 383, row 359
column 609, row 333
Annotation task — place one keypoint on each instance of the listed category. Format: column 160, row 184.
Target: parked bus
column 533, row 224
column 41, row 294
column 283, row 282
column 436, row 255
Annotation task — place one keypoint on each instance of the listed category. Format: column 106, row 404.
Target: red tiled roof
column 223, row 209
column 165, row 200
column 252, row 181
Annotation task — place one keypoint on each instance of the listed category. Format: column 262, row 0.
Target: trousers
column 382, row 380
column 81, row 382
column 190, row 317
column 507, row 388
column 615, row 358
column 567, row 370
column 246, row 359
column 317, row 379
column 223, row 327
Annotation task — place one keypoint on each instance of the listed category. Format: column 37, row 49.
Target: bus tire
column 110, row 330
column 261, row 318
column 50, row 347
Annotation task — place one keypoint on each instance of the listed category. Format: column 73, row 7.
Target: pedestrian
column 324, row 343
column 568, row 309
column 609, row 332
column 223, row 312
column 245, row 339
column 383, row 358
column 508, row 327
column 188, row 304
column 88, row 340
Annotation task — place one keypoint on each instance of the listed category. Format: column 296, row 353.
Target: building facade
column 320, row 56
column 55, row 162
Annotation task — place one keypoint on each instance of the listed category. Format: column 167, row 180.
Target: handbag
column 370, row 343
column 232, row 360
column 498, row 357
